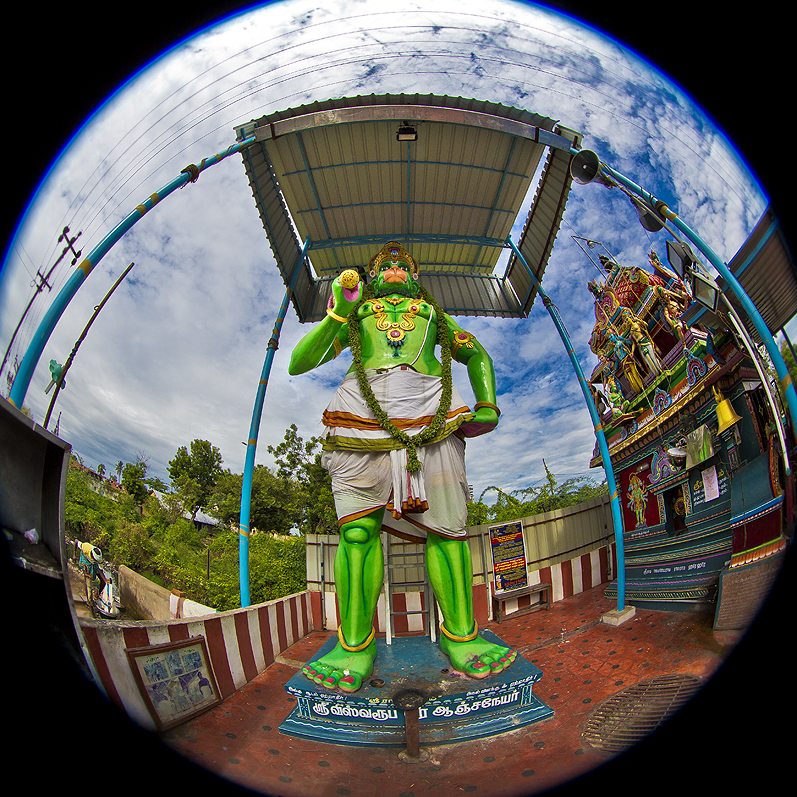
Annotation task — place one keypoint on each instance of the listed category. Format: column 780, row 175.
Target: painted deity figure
column 624, row 357
column 395, row 451
column 637, row 499
column 647, row 349
column 671, row 310
column 617, row 402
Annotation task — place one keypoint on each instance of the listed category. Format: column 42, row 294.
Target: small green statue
column 395, row 451
column 617, row 401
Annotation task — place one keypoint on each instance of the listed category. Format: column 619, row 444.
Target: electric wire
column 501, row 62
column 104, row 206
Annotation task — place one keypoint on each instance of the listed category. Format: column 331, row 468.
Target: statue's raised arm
column 326, row 340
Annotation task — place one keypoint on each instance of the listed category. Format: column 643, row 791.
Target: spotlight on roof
column 649, row 220
column 407, row 133
column 705, row 291
column 681, row 258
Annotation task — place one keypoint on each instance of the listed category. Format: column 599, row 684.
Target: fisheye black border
column 60, row 64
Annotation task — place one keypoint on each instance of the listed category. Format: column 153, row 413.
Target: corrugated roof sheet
column 767, row 271
column 332, row 173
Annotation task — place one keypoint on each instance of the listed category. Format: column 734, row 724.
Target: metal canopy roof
column 332, row 174
column 766, row 270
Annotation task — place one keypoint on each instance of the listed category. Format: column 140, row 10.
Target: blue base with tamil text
column 458, row 708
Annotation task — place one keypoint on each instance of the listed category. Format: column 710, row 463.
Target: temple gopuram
column 693, row 440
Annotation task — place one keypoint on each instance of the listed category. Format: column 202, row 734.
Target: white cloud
column 177, row 352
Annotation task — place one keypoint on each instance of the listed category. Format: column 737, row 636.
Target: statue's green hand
column 486, row 415
column 343, row 298
column 484, row 421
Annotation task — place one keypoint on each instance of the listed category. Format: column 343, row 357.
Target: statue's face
column 395, row 277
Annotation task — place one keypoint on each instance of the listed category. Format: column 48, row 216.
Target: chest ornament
column 395, row 331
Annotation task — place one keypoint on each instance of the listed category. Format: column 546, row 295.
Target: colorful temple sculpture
column 694, row 446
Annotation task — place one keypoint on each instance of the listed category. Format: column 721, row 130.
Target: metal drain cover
column 622, row 720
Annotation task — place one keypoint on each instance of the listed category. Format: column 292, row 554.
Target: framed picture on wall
column 175, row 679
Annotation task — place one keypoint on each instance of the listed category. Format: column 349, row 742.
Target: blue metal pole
column 730, row 279
column 61, row 302
column 251, row 444
column 617, row 515
column 251, row 447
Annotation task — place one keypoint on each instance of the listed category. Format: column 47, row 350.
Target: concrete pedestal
column 458, row 708
column 615, row 617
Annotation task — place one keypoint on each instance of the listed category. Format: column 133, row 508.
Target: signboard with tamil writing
column 509, row 556
column 708, row 485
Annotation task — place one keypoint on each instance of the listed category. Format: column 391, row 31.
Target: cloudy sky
column 177, row 352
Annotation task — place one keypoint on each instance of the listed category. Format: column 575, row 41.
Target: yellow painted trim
column 86, row 266
column 355, row 648
column 251, row 441
column 479, row 404
column 468, row 638
column 263, row 382
column 785, row 382
column 155, row 199
column 141, row 209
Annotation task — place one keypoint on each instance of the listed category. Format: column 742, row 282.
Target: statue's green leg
column 359, row 571
column 448, row 563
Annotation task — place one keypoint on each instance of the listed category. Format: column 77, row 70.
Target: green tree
column 194, row 474
column 154, row 483
column 299, row 463
column 131, row 546
column 534, row 500
column 101, row 469
column 274, row 504
column 89, row 516
column 788, row 358
column 133, row 475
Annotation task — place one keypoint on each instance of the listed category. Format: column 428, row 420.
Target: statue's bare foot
column 477, row 658
column 342, row 669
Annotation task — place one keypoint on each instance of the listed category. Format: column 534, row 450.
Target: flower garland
column 411, row 443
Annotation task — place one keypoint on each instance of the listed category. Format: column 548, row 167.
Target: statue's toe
column 350, row 683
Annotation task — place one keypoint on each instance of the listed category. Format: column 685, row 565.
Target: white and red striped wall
column 241, row 644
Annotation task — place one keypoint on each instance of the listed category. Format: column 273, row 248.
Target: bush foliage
column 156, row 535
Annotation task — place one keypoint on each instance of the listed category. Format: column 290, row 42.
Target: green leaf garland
column 410, row 443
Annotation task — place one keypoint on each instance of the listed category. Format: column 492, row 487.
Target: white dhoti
column 368, row 466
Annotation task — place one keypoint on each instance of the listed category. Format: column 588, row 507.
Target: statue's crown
column 394, row 252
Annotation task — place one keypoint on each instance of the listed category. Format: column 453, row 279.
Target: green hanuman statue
column 395, row 451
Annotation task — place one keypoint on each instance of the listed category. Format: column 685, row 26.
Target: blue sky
column 177, row 352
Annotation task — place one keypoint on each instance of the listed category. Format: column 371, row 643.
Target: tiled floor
column 583, row 661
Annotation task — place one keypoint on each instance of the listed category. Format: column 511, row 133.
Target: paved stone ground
column 583, row 661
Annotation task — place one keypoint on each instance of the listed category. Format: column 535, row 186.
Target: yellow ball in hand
column 349, row 279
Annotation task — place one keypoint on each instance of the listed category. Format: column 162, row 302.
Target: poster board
column 175, row 679
column 509, row 556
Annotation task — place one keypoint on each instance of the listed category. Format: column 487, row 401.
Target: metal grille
column 622, row 720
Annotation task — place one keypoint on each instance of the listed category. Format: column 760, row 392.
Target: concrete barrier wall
column 147, row 600
column 241, row 644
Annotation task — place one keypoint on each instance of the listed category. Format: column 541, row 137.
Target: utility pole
column 44, row 281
